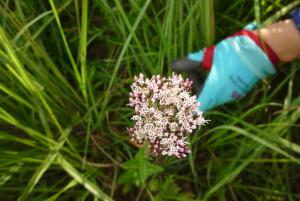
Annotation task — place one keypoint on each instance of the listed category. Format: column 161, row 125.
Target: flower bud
column 137, row 108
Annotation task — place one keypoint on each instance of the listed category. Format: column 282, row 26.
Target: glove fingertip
column 185, row 65
column 177, row 65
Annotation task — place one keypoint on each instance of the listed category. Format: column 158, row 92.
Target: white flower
column 173, row 126
column 165, row 113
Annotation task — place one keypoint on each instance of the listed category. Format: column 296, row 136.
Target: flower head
column 165, row 114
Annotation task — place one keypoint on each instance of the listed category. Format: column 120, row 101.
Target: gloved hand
column 235, row 65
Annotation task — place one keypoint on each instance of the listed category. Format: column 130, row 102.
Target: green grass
column 65, row 71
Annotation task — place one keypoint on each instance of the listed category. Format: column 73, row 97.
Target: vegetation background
column 65, row 71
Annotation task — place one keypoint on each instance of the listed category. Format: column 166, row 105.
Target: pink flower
column 166, row 114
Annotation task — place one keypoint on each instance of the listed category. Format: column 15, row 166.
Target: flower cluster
column 165, row 114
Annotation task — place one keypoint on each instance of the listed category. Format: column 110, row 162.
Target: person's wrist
column 284, row 39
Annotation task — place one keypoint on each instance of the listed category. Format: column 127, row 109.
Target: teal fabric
column 197, row 56
column 238, row 63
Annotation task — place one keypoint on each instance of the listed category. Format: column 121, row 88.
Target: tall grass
column 65, row 70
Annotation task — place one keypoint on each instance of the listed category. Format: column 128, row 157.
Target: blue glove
column 235, row 65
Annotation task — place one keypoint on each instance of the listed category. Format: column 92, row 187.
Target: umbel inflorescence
column 165, row 114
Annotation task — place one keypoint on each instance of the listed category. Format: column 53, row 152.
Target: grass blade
column 118, row 64
column 83, row 46
column 68, row 50
column 90, row 186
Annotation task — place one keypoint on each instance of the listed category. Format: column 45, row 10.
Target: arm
column 284, row 38
column 241, row 60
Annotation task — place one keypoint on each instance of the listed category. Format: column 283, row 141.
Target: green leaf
column 138, row 169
